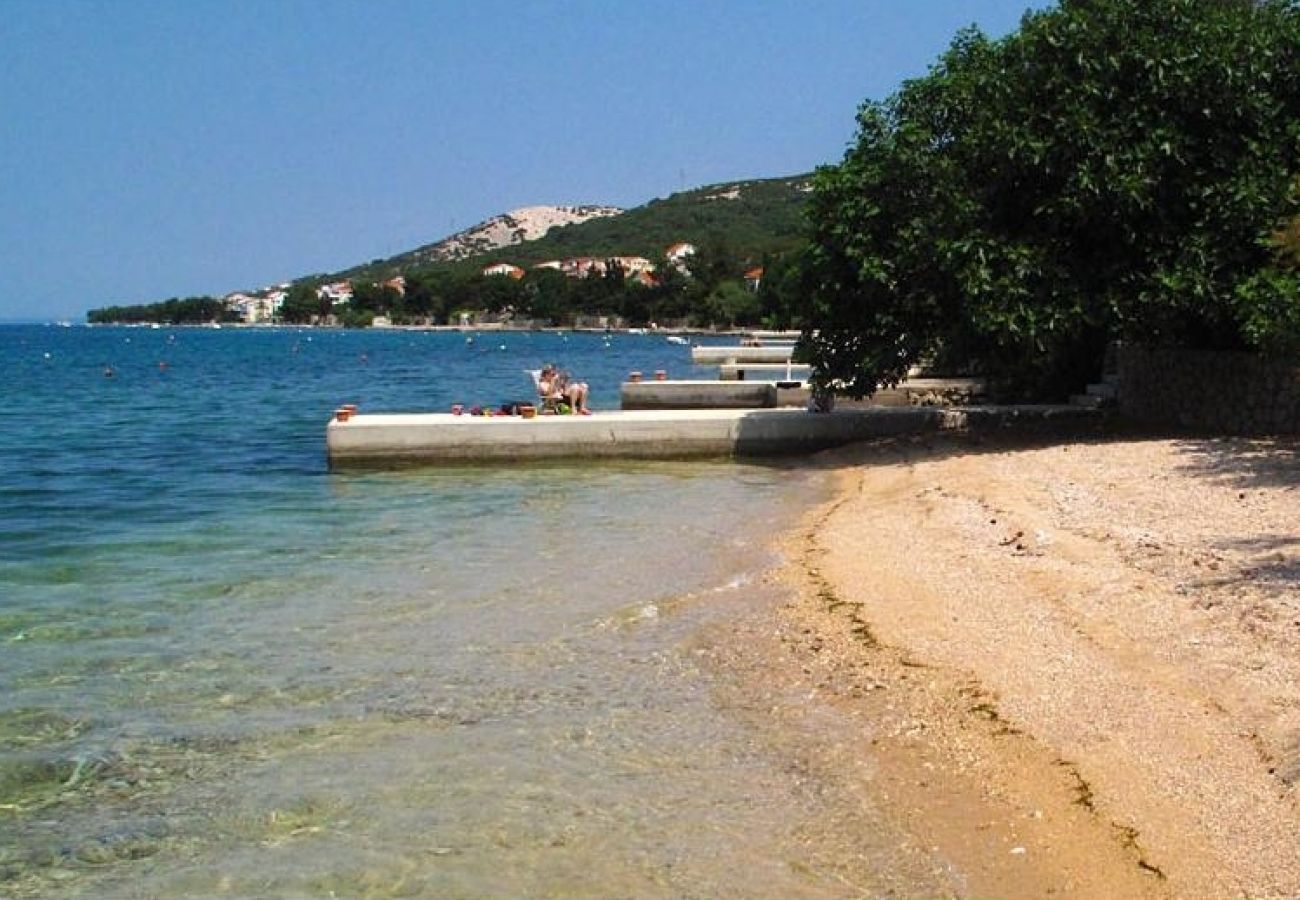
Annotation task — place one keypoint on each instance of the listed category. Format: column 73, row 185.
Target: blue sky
column 154, row 149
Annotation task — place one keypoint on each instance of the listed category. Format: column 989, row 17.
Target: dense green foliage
column 302, row 306
column 189, row 311
column 1115, row 168
column 709, row 292
column 733, row 227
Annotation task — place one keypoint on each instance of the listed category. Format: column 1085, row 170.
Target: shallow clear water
column 226, row 671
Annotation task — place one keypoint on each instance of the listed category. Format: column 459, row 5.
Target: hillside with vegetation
column 733, row 229
column 747, row 220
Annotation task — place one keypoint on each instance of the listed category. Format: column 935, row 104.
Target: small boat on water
column 677, row 339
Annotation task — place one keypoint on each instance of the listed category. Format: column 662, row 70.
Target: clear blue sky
column 151, row 149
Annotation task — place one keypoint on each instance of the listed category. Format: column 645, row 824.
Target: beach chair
column 545, row 405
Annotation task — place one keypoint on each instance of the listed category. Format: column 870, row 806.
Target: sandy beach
column 1076, row 665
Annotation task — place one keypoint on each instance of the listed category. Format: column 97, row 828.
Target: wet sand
column 1076, row 665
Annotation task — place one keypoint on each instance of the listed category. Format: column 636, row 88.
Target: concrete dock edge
column 379, row 439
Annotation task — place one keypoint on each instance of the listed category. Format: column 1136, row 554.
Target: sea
column 228, row 671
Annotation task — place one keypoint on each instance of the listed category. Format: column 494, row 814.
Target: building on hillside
column 338, row 292
column 633, row 264
column 582, row 266
column 243, row 305
column 753, row 278
column 504, row 269
column 271, row 302
column 550, row 264
column 398, row 284
column 677, row 253
column 586, row 266
column 643, row 278
column 254, row 308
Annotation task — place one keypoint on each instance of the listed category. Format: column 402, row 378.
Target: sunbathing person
column 557, row 386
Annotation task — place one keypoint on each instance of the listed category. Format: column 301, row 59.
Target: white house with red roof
column 679, row 251
column 504, row 269
column 338, row 292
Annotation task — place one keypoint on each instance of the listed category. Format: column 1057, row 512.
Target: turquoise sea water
column 226, row 671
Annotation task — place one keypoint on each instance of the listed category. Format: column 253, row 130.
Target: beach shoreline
column 1076, row 662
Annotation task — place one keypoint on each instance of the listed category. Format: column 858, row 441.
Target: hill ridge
column 520, row 225
column 752, row 216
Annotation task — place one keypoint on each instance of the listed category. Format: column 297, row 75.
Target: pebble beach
column 1076, row 665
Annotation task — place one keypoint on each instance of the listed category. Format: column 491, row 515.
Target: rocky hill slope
column 752, row 218
column 508, row 229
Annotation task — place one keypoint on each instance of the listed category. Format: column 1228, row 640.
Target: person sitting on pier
column 556, row 387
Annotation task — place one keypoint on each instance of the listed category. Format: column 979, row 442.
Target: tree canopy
column 1114, row 168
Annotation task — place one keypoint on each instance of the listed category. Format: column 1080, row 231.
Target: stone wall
column 1200, row 390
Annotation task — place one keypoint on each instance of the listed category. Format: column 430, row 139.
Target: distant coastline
column 466, row 329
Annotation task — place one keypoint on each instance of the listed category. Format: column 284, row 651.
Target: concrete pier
column 444, row 438
column 681, row 394
column 746, row 394
column 741, row 371
column 706, row 356
column 785, row 337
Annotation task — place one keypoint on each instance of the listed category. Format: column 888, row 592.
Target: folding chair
column 547, row 404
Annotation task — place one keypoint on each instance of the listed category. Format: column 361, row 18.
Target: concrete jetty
column 386, row 439
column 789, row 336
column 707, row 356
column 741, row 371
column 756, row 394
column 686, row 394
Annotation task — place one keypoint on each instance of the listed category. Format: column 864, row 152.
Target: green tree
column 423, row 299
column 176, row 311
column 547, row 296
column 301, row 305
column 712, row 263
column 730, row 304
column 1114, row 168
column 667, row 301
column 780, row 290
column 376, row 299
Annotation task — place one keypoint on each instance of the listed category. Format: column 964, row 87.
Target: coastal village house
column 504, row 269
column 584, row 266
column 637, row 268
column 754, row 278
column 338, row 292
column 631, row 265
column 677, row 254
column 260, row 307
